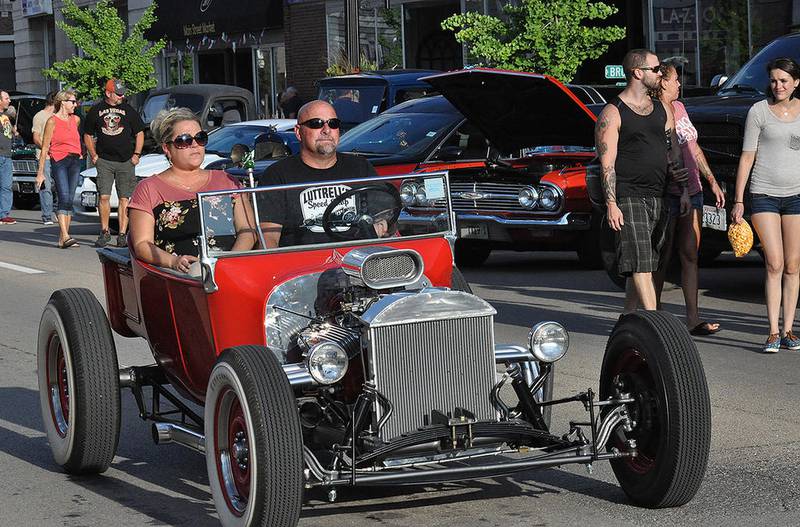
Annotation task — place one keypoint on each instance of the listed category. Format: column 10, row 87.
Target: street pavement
column 752, row 475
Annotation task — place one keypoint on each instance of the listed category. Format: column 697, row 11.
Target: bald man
column 294, row 217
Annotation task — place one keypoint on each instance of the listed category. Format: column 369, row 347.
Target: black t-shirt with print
column 299, row 212
column 114, row 128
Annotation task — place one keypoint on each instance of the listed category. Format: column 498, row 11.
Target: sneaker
column 47, row 222
column 8, row 220
column 103, row 240
column 122, row 240
column 773, row 343
column 790, row 341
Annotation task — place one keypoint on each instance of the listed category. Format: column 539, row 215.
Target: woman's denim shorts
column 782, row 206
column 675, row 203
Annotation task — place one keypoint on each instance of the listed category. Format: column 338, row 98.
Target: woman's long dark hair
column 786, row 64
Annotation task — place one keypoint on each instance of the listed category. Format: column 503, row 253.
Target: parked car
column 216, row 105
column 359, row 362
column 719, row 120
column 218, row 148
column 362, row 96
column 515, row 145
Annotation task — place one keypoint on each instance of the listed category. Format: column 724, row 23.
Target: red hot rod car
column 363, row 360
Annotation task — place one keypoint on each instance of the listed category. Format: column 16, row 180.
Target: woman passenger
column 164, row 214
column 685, row 230
column 772, row 150
column 62, row 143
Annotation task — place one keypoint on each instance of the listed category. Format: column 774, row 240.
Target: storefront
column 217, row 42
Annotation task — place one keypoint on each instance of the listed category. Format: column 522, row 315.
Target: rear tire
column 254, row 445
column 651, row 356
column 78, row 382
column 458, row 282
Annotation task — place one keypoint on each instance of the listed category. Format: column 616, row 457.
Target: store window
column 179, row 68
column 270, row 65
column 715, row 36
column 380, row 36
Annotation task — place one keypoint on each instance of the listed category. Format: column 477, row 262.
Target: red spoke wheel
column 254, row 445
column 651, row 357
column 78, row 382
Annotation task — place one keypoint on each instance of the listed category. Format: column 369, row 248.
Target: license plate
column 714, row 218
column 26, row 187
column 89, row 199
column 474, row 231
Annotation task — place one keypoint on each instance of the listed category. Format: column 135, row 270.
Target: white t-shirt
column 776, row 171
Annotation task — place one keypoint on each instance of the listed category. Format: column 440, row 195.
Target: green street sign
column 614, row 71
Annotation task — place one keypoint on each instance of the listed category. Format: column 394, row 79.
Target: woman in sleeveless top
column 684, row 231
column 771, row 149
column 163, row 210
column 62, row 143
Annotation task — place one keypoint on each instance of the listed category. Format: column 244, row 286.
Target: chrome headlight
column 327, row 362
column 549, row 199
column 420, row 196
column 548, row 341
column 528, row 197
column 407, row 191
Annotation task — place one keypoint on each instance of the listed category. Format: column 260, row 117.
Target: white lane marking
column 21, row 269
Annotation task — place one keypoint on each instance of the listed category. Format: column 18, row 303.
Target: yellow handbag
column 741, row 237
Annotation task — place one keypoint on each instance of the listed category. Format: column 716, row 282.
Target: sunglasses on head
column 654, row 69
column 316, row 123
column 185, row 140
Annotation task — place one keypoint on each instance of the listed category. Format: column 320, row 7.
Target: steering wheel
column 374, row 203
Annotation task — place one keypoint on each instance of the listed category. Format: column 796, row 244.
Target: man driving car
column 293, row 217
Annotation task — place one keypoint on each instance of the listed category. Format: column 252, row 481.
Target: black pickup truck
column 720, row 119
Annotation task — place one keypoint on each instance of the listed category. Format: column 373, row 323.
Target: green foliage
column 545, row 36
column 341, row 65
column 99, row 33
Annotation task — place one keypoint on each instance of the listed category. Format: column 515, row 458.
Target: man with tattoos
column 632, row 137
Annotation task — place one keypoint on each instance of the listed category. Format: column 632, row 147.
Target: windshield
column 221, row 140
column 398, row 133
column 345, row 212
column 753, row 76
column 165, row 101
column 354, row 105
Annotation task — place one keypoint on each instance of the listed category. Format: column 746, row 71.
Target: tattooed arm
column 705, row 171
column 606, row 138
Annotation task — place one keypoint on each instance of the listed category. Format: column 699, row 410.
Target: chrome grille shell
column 431, row 351
column 470, row 196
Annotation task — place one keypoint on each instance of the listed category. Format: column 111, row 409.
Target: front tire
column 254, row 445
column 651, row 356
column 78, row 382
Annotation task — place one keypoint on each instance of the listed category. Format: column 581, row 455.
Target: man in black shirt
column 294, row 217
column 632, row 135
column 116, row 127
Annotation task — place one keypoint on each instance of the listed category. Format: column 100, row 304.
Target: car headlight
column 528, row 197
column 327, row 362
column 407, row 192
column 420, row 196
column 549, row 199
column 548, row 341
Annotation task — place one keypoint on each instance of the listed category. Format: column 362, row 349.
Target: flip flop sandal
column 69, row 242
column 703, row 328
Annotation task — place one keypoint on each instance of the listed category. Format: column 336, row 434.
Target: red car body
column 536, row 134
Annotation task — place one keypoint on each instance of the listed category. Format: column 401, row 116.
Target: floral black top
column 177, row 215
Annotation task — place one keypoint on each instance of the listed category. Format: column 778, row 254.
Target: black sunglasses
column 316, row 123
column 185, row 140
column 654, row 69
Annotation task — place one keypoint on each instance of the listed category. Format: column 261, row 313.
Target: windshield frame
column 211, row 257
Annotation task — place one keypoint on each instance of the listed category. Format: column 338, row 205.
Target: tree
column 99, row 34
column 545, row 36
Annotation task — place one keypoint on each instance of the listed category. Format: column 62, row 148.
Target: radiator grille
column 381, row 268
column 25, row 165
column 432, row 366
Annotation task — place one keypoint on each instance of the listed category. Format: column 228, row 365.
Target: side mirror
column 718, row 80
column 449, row 153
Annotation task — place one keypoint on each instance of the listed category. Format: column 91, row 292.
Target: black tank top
column 641, row 164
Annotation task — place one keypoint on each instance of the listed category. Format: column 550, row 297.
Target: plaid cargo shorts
column 642, row 236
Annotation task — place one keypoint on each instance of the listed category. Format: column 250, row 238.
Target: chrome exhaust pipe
column 164, row 433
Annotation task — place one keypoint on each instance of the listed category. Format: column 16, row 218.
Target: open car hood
column 517, row 110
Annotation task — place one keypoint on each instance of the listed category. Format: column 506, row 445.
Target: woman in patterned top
column 164, row 213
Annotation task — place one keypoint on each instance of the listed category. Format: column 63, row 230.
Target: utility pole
column 351, row 35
